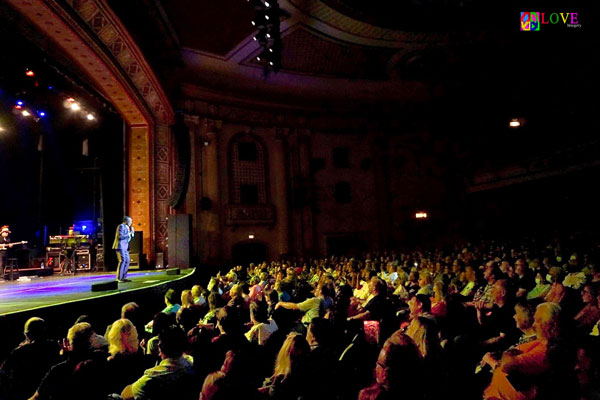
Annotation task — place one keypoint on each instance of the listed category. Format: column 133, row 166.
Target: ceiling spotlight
column 270, row 50
column 268, row 35
column 29, row 73
column 267, row 4
column 514, row 123
column 258, row 58
column 255, row 39
column 75, row 107
column 270, row 62
column 90, row 117
column 267, row 17
column 26, row 113
column 253, row 23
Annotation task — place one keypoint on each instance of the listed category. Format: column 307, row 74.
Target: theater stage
column 34, row 292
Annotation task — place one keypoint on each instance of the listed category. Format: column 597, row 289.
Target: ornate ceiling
column 345, row 51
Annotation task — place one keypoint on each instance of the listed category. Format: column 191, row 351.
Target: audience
column 458, row 322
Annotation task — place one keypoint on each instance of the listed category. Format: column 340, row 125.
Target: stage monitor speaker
column 179, row 231
column 173, row 271
column 136, row 245
column 136, row 248
column 102, row 286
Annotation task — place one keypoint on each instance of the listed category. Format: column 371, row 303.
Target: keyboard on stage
column 69, row 240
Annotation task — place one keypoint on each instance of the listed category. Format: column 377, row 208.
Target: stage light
column 50, row 87
column 29, row 73
column 2, row 129
column 267, row 17
column 270, row 62
column 270, row 50
column 83, row 227
column 255, row 39
column 26, row 113
column 253, row 23
column 18, row 107
column 258, row 58
column 251, row 236
column 268, row 35
column 41, row 113
column 421, row 215
column 19, row 103
column 75, row 107
column 514, row 123
column 267, row 4
column 90, row 117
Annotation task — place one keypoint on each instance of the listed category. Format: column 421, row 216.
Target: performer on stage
column 121, row 245
column 4, row 247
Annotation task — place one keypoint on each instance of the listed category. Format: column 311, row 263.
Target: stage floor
column 36, row 292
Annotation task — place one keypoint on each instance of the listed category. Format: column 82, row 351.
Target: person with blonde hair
column 126, row 361
column 518, row 372
column 289, row 379
column 122, row 338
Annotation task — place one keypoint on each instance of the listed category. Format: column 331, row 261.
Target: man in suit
column 123, row 236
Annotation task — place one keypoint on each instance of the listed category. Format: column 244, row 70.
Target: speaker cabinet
column 179, row 229
column 136, row 249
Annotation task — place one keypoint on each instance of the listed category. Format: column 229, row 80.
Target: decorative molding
column 326, row 15
column 109, row 30
column 239, row 214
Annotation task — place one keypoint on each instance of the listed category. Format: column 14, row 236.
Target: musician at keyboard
column 123, row 236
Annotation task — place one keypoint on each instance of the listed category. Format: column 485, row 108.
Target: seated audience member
column 214, row 302
column 590, row 313
column 228, row 382
column 198, row 295
column 374, row 309
column 523, row 281
column 99, row 342
column 132, row 312
column 526, row 363
column 290, row 379
column 557, row 291
column 311, row 307
column 398, row 371
column 323, row 358
column 524, row 313
column 172, row 377
column 230, row 337
column 171, row 307
column 23, row 370
column 438, row 301
column 126, row 361
column 470, row 282
column 541, row 288
column 497, row 323
column 256, row 292
column 425, row 284
column 160, row 322
column 77, row 376
column 262, row 325
column 189, row 313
